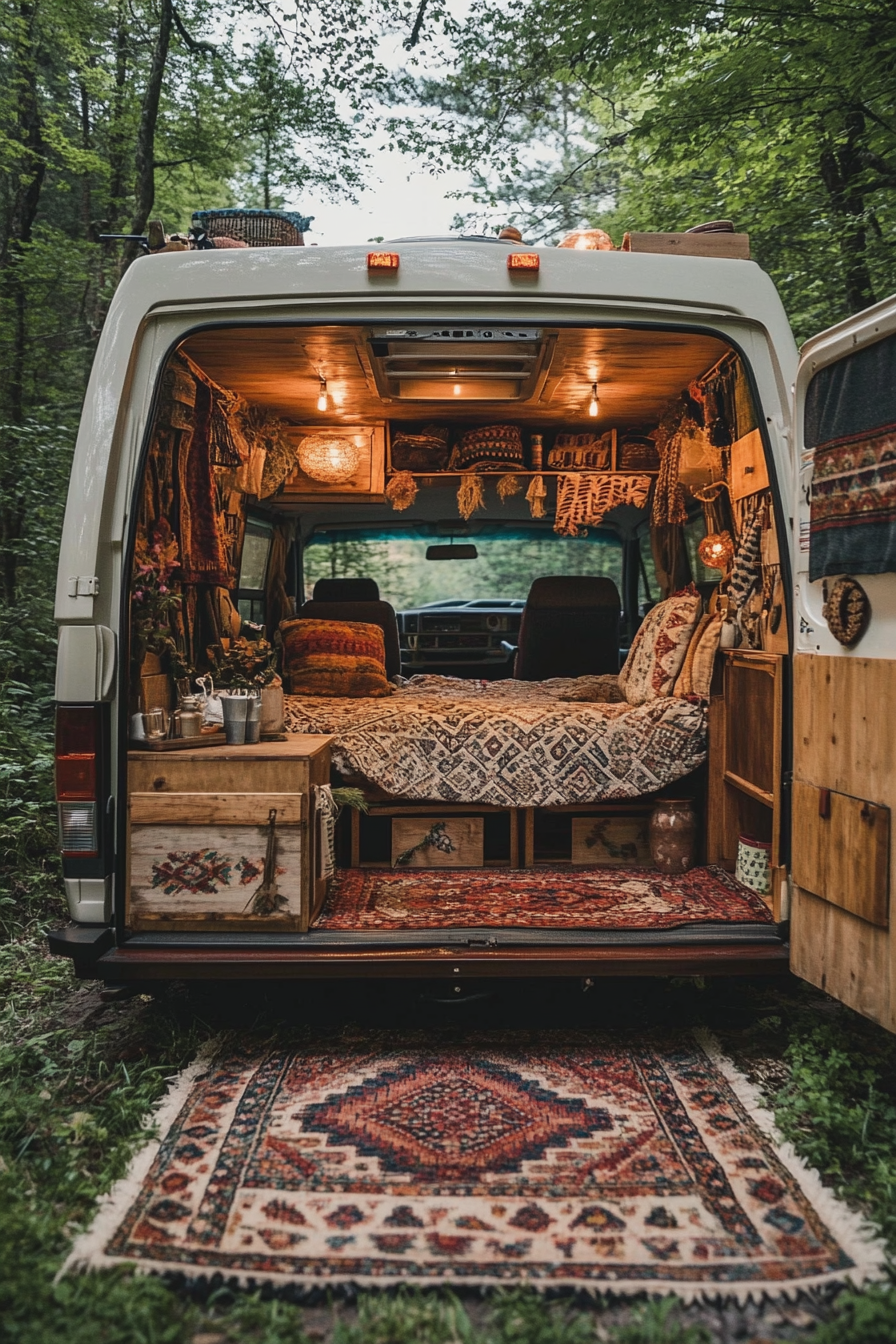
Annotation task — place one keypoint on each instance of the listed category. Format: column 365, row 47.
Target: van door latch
column 83, row 585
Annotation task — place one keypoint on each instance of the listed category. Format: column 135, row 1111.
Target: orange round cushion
column 336, row 658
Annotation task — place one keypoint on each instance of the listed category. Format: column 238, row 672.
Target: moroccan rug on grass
column 551, row 1158
column 540, row 898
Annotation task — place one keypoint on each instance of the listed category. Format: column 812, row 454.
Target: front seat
column 346, row 590
column 372, row 613
column 570, row 628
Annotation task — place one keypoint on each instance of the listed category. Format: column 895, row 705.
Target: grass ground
column 78, row 1078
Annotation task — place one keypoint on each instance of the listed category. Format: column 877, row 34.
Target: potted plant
column 247, row 664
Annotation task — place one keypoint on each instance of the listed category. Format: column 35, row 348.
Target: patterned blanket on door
column 507, row 743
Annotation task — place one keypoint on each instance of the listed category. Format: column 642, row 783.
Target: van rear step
column 139, row 962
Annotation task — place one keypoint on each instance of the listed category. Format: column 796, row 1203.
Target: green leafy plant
column 245, row 664
column 658, row 1322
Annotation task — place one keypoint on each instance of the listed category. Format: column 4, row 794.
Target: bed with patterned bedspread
column 508, row 743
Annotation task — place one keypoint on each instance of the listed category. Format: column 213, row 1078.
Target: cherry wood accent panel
column 845, row 740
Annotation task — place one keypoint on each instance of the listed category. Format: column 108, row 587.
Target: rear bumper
column 143, row 963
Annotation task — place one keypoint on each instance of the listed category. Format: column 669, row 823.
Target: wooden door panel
column 844, row 740
column 842, row 852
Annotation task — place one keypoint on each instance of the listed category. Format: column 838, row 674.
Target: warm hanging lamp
column 328, row 459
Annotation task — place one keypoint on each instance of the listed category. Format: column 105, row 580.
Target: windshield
column 508, row 560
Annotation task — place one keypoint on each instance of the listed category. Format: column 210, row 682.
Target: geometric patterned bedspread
column 509, row 743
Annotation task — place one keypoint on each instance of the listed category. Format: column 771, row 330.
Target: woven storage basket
column 258, row 228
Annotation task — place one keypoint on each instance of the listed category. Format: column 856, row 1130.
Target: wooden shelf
column 519, row 471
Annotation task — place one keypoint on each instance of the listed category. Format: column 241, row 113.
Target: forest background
column 624, row 114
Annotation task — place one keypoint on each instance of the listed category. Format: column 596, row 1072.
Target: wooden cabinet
column 745, row 759
column 203, row 826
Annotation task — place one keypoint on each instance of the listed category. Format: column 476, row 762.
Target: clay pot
column 673, row 835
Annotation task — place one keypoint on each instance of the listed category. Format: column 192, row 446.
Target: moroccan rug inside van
column 549, row 1159
column 537, row 898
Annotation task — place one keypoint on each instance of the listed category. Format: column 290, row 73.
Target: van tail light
column 78, row 744
column 382, row 261
column 526, row 262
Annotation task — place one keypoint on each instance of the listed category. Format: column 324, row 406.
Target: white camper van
column 562, row 560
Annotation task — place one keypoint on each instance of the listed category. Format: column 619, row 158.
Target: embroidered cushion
column 334, row 658
column 705, row 657
column 658, row 649
column 683, row 681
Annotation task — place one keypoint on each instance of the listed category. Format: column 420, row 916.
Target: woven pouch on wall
column 426, row 451
column 581, row 452
column 491, row 448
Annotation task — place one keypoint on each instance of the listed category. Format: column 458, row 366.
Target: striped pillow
column 344, row 658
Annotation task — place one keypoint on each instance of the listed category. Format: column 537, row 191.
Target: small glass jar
column 673, row 835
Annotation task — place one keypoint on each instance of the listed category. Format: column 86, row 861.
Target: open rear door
column 844, row 682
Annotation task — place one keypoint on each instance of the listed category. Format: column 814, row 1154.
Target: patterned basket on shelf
column 258, row 228
column 491, row 448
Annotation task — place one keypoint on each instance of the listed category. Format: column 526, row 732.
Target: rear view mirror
column 452, row 553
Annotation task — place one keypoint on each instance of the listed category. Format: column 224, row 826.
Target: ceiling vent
column 463, row 363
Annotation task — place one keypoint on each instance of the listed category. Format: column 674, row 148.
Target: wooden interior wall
column 845, row 740
column 279, row 367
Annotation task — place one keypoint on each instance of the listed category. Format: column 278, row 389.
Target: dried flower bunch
column 154, row 590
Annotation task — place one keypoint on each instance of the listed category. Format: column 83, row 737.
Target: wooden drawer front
column 608, row 841
column 201, row 856
column 437, row 842
column 841, row 849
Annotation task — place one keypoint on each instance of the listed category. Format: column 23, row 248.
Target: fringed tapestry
column 850, row 424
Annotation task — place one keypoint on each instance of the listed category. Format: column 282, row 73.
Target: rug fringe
column 87, row 1249
column 858, row 1237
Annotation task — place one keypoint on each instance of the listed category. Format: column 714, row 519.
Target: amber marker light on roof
column 382, row 261
column 523, row 261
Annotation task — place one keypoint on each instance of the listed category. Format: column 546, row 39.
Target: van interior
column 527, row 581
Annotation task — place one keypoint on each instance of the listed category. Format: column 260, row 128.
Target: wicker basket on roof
column 258, row 228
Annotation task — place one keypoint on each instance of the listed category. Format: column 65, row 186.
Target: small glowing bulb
column 457, row 389
column 322, row 395
column 592, row 405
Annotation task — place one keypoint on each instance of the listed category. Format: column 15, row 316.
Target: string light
column 322, row 394
column 592, row 405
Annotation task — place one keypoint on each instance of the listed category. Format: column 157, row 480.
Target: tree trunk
column 842, row 172
column 28, row 137
column 145, row 164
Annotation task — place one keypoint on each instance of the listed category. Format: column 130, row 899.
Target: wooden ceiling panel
column 279, row 367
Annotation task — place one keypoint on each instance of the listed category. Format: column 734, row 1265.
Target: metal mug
column 156, row 724
column 253, row 718
column 235, row 707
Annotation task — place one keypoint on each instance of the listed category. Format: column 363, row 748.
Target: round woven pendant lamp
column 328, row 459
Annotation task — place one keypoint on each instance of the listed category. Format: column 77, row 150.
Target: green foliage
column 657, row 1322
column 408, row 1317
column 520, row 1316
column 861, row 1318
column 839, row 1109
column 649, row 116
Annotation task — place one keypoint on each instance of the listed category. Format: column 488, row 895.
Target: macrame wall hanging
column 470, row 495
column 584, row 499
column 508, row 486
column 401, row 491
column 668, row 499
column 536, row 496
